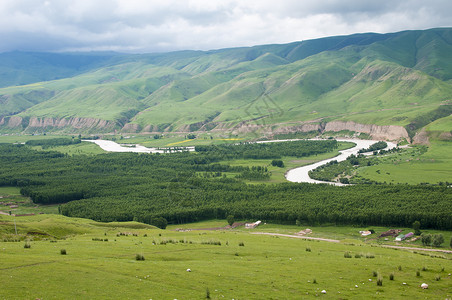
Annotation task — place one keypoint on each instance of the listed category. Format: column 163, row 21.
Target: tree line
column 152, row 187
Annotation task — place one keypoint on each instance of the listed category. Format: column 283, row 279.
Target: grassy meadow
column 433, row 166
column 100, row 262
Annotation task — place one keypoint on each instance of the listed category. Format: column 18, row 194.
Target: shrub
column 347, row 254
column 63, row 252
column 379, row 280
column 374, row 273
column 242, row 244
column 438, row 278
column 27, row 245
column 314, row 281
column 277, row 163
column 418, row 273
column 357, row 255
column 236, row 254
column 139, row 257
column 391, row 276
column 207, row 293
column 399, row 268
column 370, row 255
column 308, row 249
column 437, row 240
column 426, row 239
column 424, row 268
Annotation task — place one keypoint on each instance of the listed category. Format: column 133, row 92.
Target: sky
column 142, row 26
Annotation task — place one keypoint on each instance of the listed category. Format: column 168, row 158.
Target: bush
column 27, row 245
column 63, row 252
column 399, row 268
column 374, row 273
column 347, row 254
column 379, row 280
column 426, row 239
column 139, row 257
column 308, row 249
column 437, row 240
column 277, row 163
column 242, row 244
column 438, row 278
column 391, row 276
column 418, row 273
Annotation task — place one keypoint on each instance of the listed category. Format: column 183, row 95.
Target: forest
column 174, row 188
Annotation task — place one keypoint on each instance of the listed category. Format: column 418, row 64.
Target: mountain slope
column 370, row 79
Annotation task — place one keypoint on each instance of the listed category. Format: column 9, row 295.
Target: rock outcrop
column 388, row 132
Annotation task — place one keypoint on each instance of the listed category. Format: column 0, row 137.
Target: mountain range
column 393, row 86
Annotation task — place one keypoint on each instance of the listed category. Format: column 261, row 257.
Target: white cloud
column 151, row 25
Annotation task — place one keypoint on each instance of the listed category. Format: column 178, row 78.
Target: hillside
column 385, row 85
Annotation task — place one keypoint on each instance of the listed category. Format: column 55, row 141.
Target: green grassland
column 433, row 166
column 25, row 205
column 266, row 267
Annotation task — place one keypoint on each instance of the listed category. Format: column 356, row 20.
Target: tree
column 450, row 242
column 416, row 227
column 426, row 239
column 277, row 163
column 437, row 240
column 230, row 220
column 159, row 222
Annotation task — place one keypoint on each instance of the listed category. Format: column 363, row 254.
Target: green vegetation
column 174, row 188
column 262, row 88
column 275, row 264
column 414, row 165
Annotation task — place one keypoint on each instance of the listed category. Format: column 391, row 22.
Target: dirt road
column 338, row 241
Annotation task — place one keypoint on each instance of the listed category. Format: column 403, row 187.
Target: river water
column 300, row 174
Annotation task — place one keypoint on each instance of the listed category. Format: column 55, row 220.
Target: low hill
column 385, row 85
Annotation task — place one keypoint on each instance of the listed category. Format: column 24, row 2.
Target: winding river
column 300, row 174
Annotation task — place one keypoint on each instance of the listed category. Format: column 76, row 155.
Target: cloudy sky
column 165, row 25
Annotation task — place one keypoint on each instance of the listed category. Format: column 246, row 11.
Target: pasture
column 100, row 262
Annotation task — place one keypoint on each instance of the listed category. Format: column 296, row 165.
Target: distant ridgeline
column 186, row 187
column 386, row 86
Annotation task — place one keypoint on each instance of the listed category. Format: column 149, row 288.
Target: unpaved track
column 297, row 236
column 338, row 241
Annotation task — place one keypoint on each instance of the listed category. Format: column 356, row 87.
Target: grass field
column 433, row 166
column 266, row 267
column 25, row 205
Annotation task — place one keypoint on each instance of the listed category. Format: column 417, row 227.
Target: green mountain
column 386, row 85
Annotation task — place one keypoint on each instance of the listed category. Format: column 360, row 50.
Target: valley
column 133, row 175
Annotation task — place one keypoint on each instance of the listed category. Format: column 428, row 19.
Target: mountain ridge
column 368, row 79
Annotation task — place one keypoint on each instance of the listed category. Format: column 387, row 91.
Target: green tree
column 159, row 222
column 426, row 239
column 417, row 227
column 437, row 240
column 230, row 220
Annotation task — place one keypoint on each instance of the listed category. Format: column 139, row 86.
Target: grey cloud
column 151, row 25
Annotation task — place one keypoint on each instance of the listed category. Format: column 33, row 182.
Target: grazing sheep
column 424, row 286
column 323, row 292
column 188, row 270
